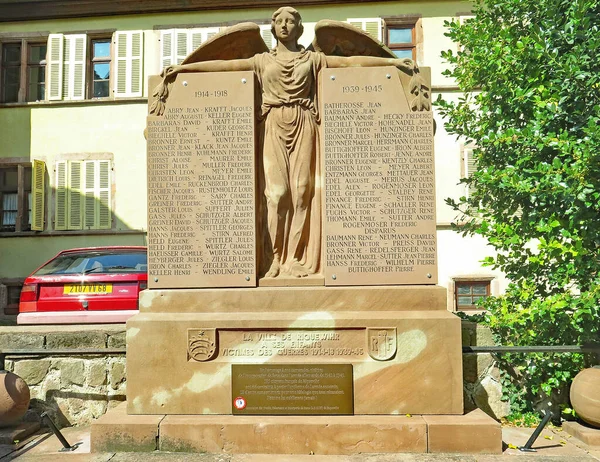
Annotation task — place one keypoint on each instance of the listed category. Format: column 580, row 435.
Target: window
column 83, row 195
column 99, row 68
column 402, row 42
column 401, row 36
column 22, row 197
column 9, row 186
column 84, row 66
column 23, row 76
column 468, row 293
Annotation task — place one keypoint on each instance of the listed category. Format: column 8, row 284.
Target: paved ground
column 552, row 445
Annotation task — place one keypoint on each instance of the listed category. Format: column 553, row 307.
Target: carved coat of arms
column 382, row 343
column 202, row 344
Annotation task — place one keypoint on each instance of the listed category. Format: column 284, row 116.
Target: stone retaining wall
column 481, row 376
column 75, row 390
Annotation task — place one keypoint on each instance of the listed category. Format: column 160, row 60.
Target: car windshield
column 96, row 263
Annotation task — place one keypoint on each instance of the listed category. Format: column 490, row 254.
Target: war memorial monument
column 292, row 303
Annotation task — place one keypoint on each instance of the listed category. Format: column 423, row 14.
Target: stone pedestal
column 584, row 433
column 420, row 371
column 237, row 363
column 473, row 433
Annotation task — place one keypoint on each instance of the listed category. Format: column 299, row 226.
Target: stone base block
column 17, row 433
column 116, row 431
column 294, row 299
column 421, row 372
column 293, row 434
column 473, row 433
column 584, row 433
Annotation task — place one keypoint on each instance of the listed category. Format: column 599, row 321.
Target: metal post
column 66, row 446
column 536, row 433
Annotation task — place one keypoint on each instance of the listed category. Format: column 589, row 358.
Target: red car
column 96, row 284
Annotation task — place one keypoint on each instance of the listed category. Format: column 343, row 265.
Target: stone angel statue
column 289, row 144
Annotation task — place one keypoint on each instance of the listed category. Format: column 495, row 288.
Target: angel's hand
column 405, row 64
column 170, row 71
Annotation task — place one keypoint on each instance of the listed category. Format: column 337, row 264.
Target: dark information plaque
column 201, row 219
column 290, row 389
column 379, row 218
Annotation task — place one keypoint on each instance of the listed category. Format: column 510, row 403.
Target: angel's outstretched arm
column 210, row 66
column 161, row 92
column 406, row 65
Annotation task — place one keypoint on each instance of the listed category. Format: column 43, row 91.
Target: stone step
column 586, row 434
column 473, row 433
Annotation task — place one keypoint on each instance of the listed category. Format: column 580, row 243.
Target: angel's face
column 286, row 28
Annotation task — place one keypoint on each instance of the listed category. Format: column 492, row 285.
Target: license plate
column 89, row 288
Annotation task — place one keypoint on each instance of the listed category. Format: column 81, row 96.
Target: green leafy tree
column 530, row 74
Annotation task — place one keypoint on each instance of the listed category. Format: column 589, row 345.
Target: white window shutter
column 96, row 193
column 54, row 66
column 137, row 69
column 177, row 44
column 37, row 191
column 129, row 63
column 61, row 203
column 373, row 26
column 90, row 182
column 74, row 65
column 66, row 74
column 74, row 207
column 181, row 40
column 198, row 36
column 470, row 166
column 267, row 36
column 103, row 195
column 167, row 55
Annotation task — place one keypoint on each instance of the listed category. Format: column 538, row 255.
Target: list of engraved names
column 379, row 183
column 201, row 189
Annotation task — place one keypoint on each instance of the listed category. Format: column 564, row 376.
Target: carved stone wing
column 336, row 38
column 236, row 42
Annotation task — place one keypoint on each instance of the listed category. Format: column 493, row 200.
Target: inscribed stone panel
column 379, row 217
column 201, row 184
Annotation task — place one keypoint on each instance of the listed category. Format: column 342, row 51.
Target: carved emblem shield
column 382, row 342
column 202, row 344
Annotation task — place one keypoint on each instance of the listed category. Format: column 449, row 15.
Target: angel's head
column 286, row 24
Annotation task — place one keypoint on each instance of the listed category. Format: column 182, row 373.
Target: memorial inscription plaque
column 285, row 389
column 285, row 345
column 201, row 184
column 379, row 217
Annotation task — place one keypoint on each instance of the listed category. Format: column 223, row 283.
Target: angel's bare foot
column 274, row 269
column 297, row 270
